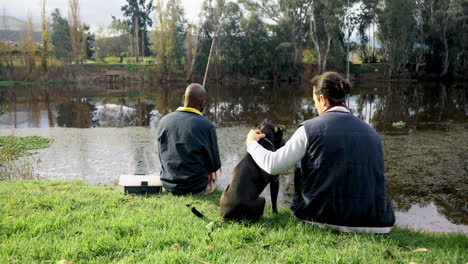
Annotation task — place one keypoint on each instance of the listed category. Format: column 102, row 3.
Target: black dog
column 240, row 200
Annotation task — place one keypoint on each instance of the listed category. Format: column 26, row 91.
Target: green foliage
column 168, row 36
column 309, row 56
column 115, row 42
column 230, row 37
column 60, row 36
column 131, row 68
column 49, row 221
column 141, row 10
column 90, row 38
column 251, row 45
column 418, row 32
column 396, row 25
column 360, row 68
column 399, row 124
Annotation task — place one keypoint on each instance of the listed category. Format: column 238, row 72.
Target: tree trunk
column 194, row 55
column 142, row 44
column 446, row 61
column 325, row 56
column 313, row 32
column 136, row 27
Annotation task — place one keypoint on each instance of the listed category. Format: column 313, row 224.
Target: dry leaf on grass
column 175, row 245
column 201, row 261
column 65, row 261
column 209, row 248
column 421, row 250
column 389, row 254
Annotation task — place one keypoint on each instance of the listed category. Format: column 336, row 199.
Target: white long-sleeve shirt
column 282, row 159
column 287, row 156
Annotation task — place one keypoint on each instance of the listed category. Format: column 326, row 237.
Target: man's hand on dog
column 254, row 134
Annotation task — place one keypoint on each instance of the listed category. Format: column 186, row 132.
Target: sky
column 93, row 12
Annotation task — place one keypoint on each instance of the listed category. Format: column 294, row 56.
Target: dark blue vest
column 342, row 174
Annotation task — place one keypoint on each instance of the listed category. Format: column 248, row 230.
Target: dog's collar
column 269, row 142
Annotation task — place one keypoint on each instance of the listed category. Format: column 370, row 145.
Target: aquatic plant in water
column 400, row 124
column 12, row 148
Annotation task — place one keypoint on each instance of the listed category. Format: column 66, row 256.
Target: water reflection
column 379, row 104
column 426, row 162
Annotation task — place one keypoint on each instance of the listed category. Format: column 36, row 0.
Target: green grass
column 48, row 221
column 14, row 83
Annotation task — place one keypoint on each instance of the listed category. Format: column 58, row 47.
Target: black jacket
column 342, row 174
column 188, row 151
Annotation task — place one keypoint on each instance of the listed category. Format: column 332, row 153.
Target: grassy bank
column 49, row 221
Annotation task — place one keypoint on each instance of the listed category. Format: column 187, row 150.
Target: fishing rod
column 219, row 10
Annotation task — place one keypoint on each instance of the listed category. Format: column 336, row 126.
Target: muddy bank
column 429, row 165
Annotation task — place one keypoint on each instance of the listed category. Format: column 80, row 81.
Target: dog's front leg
column 274, row 188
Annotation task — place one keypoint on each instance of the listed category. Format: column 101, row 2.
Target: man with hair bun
column 339, row 179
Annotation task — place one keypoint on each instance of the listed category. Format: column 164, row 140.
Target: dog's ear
column 279, row 140
column 262, row 125
column 280, row 128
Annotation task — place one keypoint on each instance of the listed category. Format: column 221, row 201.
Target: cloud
column 93, row 12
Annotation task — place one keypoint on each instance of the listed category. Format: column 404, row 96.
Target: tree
column 216, row 16
column 138, row 17
column 29, row 47
column 446, row 19
column 45, row 36
column 60, row 36
column 231, row 37
column 396, row 26
column 256, row 48
column 327, row 29
column 77, row 32
column 289, row 23
column 419, row 32
column 88, row 41
column 366, row 19
column 6, row 51
column 168, row 36
column 115, row 41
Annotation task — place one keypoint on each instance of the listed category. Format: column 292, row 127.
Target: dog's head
column 273, row 136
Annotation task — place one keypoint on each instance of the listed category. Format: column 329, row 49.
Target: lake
column 101, row 132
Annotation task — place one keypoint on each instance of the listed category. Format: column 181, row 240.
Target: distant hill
column 16, row 35
column 11, row 28
column 15, row 24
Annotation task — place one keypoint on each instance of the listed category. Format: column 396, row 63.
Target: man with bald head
column 188, row 147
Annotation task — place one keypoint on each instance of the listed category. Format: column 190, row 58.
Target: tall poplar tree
column 45, row 36
column 29, row 46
